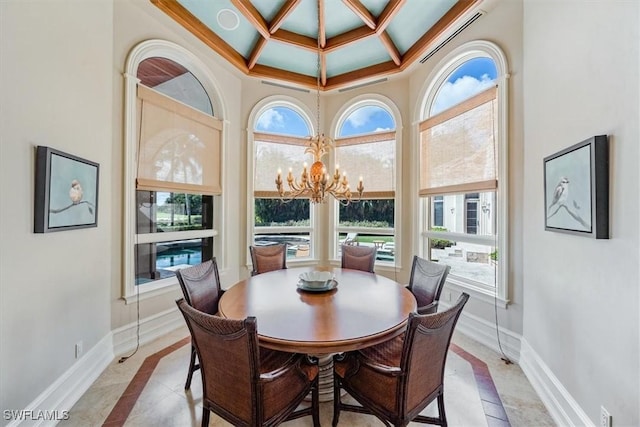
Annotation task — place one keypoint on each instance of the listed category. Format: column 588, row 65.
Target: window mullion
column 174, row 235
column 488, row 240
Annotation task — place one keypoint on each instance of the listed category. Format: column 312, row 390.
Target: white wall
column 581, row 316
column 55, row 77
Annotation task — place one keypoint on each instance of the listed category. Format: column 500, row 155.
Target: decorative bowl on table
column 317, row 280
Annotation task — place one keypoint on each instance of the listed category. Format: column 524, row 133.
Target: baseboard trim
column 152, row 327
column 484, row 332
column 562, row 407
column 60, row 396
column 70, row 386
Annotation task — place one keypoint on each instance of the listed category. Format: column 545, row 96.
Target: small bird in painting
column 560, row 195
column 75, row 193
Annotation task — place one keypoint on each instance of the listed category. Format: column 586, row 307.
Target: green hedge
column 440, row 243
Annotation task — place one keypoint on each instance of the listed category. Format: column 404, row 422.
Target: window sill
column 152, row 293
column 387, row 266
column 477, row 293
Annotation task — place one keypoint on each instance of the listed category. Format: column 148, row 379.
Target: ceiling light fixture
column 228, row 19
column 317, row 184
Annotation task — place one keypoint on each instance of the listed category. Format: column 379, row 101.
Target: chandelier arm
column 295, row 186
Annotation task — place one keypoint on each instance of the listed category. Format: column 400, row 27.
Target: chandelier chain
column 318, row 72
column 316, row 183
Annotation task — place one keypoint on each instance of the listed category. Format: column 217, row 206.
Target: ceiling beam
column 295, row 39
column 323, row 70
column 391, row 48
column 322, row 32
column 375, row 71
column 361, row 12
column 249, row 11
column 265, row 71
column 390, row 11
column 183, row 17
column 282, row 14
column 347, row 38
column 255, row 53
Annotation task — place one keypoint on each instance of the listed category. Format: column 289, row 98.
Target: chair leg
column 192, row 367
column 205, row 417
column 443, row 416
column 336, row 400
column 315, row 403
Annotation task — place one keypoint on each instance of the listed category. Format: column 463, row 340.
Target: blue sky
column 283, row 120
column 366, row 119
column 470, row 78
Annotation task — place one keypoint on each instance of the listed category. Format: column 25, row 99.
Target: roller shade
column 179, row 148
column 273, row 152
column 373, row 157
column 458, row 148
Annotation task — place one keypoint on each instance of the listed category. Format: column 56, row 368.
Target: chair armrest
column 379, row 367
column 429, row 308
column 293, row 364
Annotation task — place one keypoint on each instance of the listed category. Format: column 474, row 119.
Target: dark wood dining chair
column 398, row 379
column 426, row 282
column 201, row 289
column 243, row 383
column 359, row 257
column 268, row 258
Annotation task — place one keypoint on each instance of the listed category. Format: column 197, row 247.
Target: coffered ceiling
column 357, row 40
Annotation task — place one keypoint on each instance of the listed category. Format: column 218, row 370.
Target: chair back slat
column 427, row 280
column 200, row 286
column 359, row 257
column 268, row 258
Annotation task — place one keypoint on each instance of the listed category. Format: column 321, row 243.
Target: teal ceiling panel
column 366, row 52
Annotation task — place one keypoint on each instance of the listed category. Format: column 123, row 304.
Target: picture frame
column 576, row 189
column 66, row 191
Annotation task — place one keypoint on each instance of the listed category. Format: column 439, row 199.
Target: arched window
column 462, row 167
column 173, row 165
column 366, row 146
column 279, row 138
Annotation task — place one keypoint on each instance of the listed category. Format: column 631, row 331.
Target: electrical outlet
column 448, row 295
column 78, row 349
column 605, row 418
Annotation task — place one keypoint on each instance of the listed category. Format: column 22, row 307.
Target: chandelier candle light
column 316, row 184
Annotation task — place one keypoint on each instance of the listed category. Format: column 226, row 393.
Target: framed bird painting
column 576, row 189
column 66, row 191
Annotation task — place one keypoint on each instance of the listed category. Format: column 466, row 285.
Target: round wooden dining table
column 362, row 310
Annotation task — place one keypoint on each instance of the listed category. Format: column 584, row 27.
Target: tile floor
column 147, row 389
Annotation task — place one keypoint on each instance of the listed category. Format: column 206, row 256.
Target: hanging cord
column 504, row 357
column 124, row 358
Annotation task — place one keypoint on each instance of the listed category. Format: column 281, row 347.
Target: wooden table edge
column 317, row 348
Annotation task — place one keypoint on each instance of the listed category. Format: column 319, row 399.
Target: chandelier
column 316, row 184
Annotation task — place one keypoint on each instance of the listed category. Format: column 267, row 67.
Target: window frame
column 257, row 111
column 438, row 76
column 370, row 99
column 142, row 51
